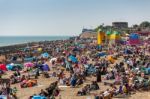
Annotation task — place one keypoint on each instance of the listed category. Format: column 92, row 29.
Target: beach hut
column 3, row 67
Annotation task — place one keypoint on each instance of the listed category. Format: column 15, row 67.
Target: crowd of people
column 75, row 60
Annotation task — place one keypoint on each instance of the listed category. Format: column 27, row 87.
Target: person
column 73, row 80
column 98, row 75
column 43, row 93
column 94, row 86
column 17, row 73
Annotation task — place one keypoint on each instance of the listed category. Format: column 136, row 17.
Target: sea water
column 11, row 40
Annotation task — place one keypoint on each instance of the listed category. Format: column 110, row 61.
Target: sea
column 12, row 40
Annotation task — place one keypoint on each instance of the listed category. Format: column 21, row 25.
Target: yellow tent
column 100, row 37
column 114, row 37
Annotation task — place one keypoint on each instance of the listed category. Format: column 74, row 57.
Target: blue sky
column 67, row 17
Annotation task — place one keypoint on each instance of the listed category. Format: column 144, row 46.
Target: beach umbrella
column 3, row 67
column 45, row 55
column 28, row 64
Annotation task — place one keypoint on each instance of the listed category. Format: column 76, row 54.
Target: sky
column 67, row 17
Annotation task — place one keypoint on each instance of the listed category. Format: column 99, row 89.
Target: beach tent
column 148, row 71
column 45, row 55
column 100, row 37
column 38, row 97
column 28, row 59
column 115, row 36
column 101, row 54
column 108, row 33
column 28, row 64
column 26, row 49
column 76, row 49
column 134, row 39
column 73, row 59
column 90, row 69
column 39, row 49
column 127, row 51
column 99, row 47
column 3, row 97
column 13, row 66
column 9, row 66
column 111, row 59
column 45, row 67
column 3, row 67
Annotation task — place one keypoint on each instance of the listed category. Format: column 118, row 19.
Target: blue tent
column 101, row 54
column 38, row 97
column 9, row 66
column 148, row 71
column 99, row 47
column 14, row 66
column 45, row 55
column 45, row 67
column 3, row 97
column 134, row 36
column 73, row 59
column 90, row 69
column 26, row 49
column 127, row 51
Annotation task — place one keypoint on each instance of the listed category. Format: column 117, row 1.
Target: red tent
column 3, row 67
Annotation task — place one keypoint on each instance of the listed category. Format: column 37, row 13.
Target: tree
column 135, row 26
column 145, row 24
column 99, row 27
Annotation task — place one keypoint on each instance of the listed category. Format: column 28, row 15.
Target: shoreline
column 32, row 40
column 10, row 48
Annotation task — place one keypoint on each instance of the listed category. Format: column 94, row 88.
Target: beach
column 58, row 49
